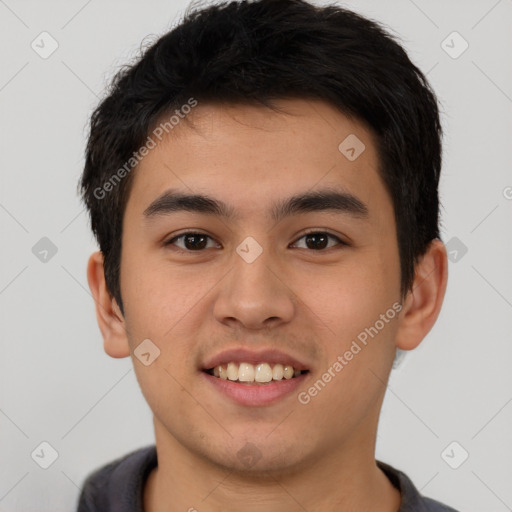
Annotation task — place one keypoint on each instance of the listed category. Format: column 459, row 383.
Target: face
column 314, row 287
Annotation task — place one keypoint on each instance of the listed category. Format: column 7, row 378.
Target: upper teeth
column 263, row 372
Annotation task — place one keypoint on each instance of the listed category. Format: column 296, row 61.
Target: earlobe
column 423, row 302
column 110, row 319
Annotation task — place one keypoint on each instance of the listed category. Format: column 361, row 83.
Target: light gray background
column 56, row 383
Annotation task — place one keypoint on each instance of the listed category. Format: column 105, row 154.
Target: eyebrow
column 326, row 200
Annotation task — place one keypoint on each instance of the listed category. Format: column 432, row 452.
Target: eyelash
column 315, row 232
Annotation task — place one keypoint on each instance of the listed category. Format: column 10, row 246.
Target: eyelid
column 175, row 237
column 327, row 232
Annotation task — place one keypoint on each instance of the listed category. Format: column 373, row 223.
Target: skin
column 309, row 303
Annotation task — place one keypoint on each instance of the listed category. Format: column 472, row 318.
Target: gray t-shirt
column 119, row 486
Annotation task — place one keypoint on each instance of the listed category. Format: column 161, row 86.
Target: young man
column 263, row 187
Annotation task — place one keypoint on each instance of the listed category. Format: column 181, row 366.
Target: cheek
column 359, row 344
column 348, row 297
column 168, row 305
column 159, row 295
column 350, row 300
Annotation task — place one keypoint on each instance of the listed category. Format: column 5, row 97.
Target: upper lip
column 242, row 355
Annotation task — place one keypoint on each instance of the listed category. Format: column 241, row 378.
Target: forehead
column 248, row 156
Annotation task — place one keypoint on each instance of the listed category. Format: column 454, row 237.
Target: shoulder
column 412, row 500
column 119, row 482
column 431, row 505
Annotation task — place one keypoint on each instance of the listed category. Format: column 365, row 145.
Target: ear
column 110, row 319
column 423, row 302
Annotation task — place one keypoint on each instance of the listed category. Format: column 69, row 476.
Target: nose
column 255, row 295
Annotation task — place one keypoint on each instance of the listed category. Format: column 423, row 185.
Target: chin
column 259, row 457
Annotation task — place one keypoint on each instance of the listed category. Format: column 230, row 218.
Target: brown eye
column 319, row 240
column 191, row 241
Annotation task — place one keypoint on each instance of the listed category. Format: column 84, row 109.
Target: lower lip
column 256, row 394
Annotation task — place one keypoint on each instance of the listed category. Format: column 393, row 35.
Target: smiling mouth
column 262, row 373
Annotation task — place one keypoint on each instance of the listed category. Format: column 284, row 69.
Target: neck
column 346, row 478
